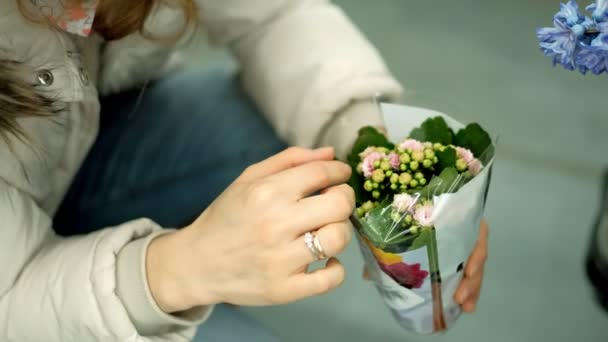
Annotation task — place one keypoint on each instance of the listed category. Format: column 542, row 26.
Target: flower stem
column 438, row 316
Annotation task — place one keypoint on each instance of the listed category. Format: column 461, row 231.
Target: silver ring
column 312, row 241
column 318, row 247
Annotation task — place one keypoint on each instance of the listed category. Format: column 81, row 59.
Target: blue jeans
column 166, row 154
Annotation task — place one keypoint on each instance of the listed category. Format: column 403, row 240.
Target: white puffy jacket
column 302, row 61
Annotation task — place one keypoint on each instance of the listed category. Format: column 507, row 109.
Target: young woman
column 104, row 140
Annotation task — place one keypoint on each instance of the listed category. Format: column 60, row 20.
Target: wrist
column 175, row 281
column 166, row 279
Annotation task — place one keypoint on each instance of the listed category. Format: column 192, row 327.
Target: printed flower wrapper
column 417, row 273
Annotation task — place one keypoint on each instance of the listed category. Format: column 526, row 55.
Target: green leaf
column 368, row 136
column 379, row 228
column 423, row 239
column 449, row 180
column 474, row 138
column 435, row 130
column 446, row 158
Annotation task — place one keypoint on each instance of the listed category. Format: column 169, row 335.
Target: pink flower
column 393, row 159
column 403, row 202
column 415, row 145
column 410, row 276
column 367, row 152
column 368, row 163
column 465, row 154
column 474, row 167
column 423, row 215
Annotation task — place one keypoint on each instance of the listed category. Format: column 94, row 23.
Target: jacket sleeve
column 65, row 289
column 304, row 63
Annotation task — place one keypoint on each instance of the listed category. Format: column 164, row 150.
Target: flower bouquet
column 577, row 41
column 419, row 205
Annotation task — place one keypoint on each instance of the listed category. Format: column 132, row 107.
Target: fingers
column 469, row 291
column 480, row 252
column 333, row 238
column 319, row 282
column 470, row 287
column 289, row 158
column 334, row 205
column 309, row 178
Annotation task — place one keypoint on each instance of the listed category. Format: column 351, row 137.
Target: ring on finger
column 314, row 246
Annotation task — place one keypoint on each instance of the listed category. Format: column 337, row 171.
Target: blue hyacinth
column 599, row 10
column 576, row 41
column 594, row 57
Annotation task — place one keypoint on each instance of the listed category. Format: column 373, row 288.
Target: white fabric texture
column 302, row 61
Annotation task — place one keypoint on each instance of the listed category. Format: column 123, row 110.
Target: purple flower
column 594, row 57
column 600, row 10
column 562, row 41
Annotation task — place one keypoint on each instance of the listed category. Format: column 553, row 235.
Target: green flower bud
column 376, row 194
column 394, row 178
column 375, row 185
column 437, row 146
column 418, row 156
column 378, row 176
column 395, row 216
column 414, row 183
column 435, row 160
column 403, row 167
column 422, row 181
column 368, row 186
column 360, row 212
column 414, row 229
column 382, row 149
column 428, row 144
column 428, row 154
column 400, row 150
column 408, row 219
column 394, row 186
column 388, row 173
column 376, row 164
column 404, row 158
column 385, row 165
column 414, row 165
column 403, row 188
column 427, row 202
column 405, row 178
column 419, row 175
column 461, row 165
column 382, row 186
column 367, row 206
column 427, row 163
column 360, row 168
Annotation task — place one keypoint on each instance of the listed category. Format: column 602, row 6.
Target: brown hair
column 114, row 19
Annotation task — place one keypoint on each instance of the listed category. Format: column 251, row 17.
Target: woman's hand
column 247, row 247
column 470, row 286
